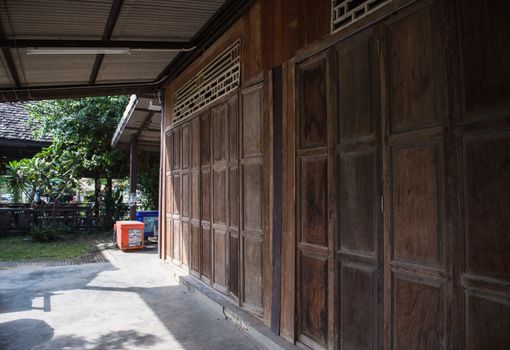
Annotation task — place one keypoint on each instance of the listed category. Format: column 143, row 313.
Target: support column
column 133, row 164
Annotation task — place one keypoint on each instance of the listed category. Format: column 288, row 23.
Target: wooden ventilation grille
column 217, row 79
column 346, row 12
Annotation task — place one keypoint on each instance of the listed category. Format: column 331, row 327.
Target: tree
column 84, row 129
column 50, row 173
column 85, row 125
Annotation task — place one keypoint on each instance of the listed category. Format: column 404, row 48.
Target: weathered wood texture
column 395, row 176
column 313, row 191
column 412, row 151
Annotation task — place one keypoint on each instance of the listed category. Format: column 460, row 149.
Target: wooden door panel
column 359, row 306
column 219, row 197
column 185, row 194
column 177, row 149
column 195, row 248
column 313, row 113
column 313, row 308
column 357, row 179
column 233, row 202
column 313, row 236
column 252, row 197
column 220, row 255
column 169, row 195
column 206, row 196
column 206, row 252
column 418, row 314
column 358, row 201
column 487, row 204
column 195, row 196
column 233, row 194
column 233, row 256
column 313, row 204
column 185, row 243
column 205, row 139
column 219, row 133
column 177, row 239
column 417, row 202
column 233, row 130
column 487, row 322
column 356, row 85
column 252, row 122
column 252, row 273
column 483, row 27
column 411, row 71
column 169, row 237
column 186, row 154
column 177, row 194
column 195, row 143
column 251, row 125
column 169, row 143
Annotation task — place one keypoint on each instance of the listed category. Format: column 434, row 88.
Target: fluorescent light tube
column 77, row 50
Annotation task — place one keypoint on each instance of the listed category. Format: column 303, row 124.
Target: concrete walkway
column 129, row 302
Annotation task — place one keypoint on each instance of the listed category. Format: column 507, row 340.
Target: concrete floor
column 127, row 303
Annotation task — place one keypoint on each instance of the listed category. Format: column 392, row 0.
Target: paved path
column 129, row 302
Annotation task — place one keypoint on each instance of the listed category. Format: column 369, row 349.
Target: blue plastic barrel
column 150, row 219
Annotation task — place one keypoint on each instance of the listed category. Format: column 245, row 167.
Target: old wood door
column 251, row 133
column 314, row 272
column 482, row 135
column 418, row 263
column 358, row 181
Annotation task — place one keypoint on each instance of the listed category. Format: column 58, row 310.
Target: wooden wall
column 395, row 175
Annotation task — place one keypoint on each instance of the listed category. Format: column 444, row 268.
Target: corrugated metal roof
column 139, row 120
column 163, row 20
column 4, row 77
column 54, row 69
column 54, row 19
column 137, row 66
column 68, row 20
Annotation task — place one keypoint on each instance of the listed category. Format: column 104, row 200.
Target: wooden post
column 109, row 201
column 132, row 178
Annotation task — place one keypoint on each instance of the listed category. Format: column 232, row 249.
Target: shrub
column 44, row 234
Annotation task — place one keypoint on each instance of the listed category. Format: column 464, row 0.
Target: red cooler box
column 129, row 234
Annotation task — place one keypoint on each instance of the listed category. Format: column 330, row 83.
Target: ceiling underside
column 141, row 121
column 161, row 34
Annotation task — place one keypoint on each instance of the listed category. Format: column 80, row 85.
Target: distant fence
column 19, row 218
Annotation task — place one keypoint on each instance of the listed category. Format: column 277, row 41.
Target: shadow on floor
column 188, row 324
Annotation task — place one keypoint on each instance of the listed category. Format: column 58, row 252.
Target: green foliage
column 148, row 181
column 50, row 173
column 86, row 126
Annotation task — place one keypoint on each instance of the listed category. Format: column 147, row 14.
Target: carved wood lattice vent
column 345, row 12
column 217, row 79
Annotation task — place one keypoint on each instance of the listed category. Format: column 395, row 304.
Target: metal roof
column 160, row 35
column 141, row 120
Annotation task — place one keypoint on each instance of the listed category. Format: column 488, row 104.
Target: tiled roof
column 14, row 123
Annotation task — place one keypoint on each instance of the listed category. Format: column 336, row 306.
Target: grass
column 73, row 245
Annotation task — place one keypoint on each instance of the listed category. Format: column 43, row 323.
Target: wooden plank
column 277, row 199
column 288, row 305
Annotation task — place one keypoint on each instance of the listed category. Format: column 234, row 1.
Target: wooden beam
column 110, row 24
column 11, row 67
column 133, row 164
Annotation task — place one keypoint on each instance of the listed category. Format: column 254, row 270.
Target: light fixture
column 77, row 50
